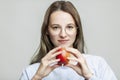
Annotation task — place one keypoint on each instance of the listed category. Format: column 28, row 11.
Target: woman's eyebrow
column 71, row 24
column 54, row 24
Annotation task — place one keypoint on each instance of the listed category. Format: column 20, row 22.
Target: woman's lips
column 63, row 41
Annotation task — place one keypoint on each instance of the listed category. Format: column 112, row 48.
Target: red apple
column 63, row 57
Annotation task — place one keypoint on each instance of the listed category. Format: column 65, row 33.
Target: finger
column 53, row 62
column 77, row 54
column 78, row 60
column 77, row 68
column 74, row 51
column 55, row 54
column 55, row 66
column 55, row 50
column 51, row 52
column 73, row 59
column 82, row 64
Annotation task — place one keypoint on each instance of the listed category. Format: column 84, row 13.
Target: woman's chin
column 64, row 45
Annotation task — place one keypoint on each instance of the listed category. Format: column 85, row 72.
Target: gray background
column 20, row 22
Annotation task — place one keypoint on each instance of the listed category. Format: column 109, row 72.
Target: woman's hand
column 48, row 63
column 81, row 67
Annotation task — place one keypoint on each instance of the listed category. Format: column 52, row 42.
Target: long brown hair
column 45, row 43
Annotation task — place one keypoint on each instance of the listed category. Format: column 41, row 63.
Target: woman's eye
column 55, row 27
column 70, row 27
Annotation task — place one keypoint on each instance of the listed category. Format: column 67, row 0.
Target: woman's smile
column 63, row 41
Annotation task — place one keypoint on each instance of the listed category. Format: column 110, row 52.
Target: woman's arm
column 102, row 70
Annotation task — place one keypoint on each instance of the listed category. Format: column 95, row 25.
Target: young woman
column 62, row 29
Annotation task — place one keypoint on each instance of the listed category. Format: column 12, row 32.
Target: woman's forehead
column 58, row 17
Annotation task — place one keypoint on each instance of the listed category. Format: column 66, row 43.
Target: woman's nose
column 63, row 33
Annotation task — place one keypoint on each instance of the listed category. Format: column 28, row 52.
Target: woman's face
column 62, row 29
